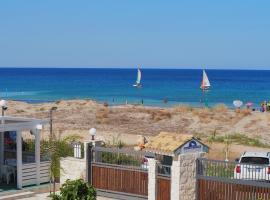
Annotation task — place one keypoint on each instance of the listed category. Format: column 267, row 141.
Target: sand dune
column 77, row 116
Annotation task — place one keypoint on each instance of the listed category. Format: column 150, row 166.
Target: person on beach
column 262, row 107
column 268, row 106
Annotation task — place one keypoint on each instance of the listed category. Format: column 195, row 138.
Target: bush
column 76, row 190
column 102, row 115
column 160, row 115
column 220, row 108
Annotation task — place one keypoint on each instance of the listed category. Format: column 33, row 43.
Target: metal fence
column 78, row 149
column 121, row 157
column 233, row 170
column 164, row 170
column 231, row 180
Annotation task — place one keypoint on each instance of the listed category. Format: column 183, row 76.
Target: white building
column 16, row 165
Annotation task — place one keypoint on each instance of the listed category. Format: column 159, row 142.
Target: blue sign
column 192, row 145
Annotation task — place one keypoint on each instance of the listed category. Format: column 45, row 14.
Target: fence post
column 152, row 179
column 175, row 178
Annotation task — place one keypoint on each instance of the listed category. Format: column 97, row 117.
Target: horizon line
column 147, row 67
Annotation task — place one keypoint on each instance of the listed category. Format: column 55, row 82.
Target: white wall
column 72, row 168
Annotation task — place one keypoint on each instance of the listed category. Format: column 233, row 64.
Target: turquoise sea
column 178, row 86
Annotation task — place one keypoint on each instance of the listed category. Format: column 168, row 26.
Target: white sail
column 205, row 81
column 139, row 76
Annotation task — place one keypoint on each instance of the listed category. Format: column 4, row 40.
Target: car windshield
column 255, row 160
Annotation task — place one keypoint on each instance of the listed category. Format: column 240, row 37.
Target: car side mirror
column 237, row 160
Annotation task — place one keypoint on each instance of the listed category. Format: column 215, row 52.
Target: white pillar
column 85, row 148
column 19, row 159
column 175, row 178
column 86, row 156
column 37, row 155
column 152, row 179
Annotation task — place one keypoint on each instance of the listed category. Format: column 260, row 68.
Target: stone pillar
column 188, row 175
column 152, row 179
column 37, row 155
column 19, row 159
column 175, row 178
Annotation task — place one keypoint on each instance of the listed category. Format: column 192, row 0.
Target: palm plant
column 57, row 148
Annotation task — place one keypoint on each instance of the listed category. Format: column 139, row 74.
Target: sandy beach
column 126, row 122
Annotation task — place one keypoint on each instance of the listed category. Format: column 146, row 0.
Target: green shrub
column 120, row 159
column 64, row 147
column 76, row 190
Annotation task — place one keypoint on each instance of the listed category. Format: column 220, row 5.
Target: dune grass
column 238, row 138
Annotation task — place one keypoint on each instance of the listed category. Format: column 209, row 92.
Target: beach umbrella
column 237, row 103
column 249, row 104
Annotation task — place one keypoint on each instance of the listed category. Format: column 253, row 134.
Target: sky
column 130, row 33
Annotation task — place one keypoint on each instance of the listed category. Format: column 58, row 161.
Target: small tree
column 76, row 190
column 228, row 143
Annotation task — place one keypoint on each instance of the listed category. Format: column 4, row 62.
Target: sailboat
column 138, row 81
column 205, row 85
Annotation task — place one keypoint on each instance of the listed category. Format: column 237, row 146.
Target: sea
column 160, row 87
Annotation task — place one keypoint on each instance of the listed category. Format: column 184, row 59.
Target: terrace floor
column 7, row 188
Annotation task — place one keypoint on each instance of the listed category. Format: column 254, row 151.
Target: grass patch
column 238, row 138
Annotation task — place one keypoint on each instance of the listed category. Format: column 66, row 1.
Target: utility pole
column 51, row 121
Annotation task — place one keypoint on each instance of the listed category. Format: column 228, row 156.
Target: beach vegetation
column 245, row 112
column 160, row 115
column 182, row 109
column 77, row 190
column 20, row 111
column 220, row 108
column 58, row 102
column 102, row 115
column 238, row 138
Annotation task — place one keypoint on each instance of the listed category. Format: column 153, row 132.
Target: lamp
column 3, row 104
column 93, row 132
column 39, row 127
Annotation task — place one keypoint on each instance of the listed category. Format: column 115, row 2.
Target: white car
column 253, row 166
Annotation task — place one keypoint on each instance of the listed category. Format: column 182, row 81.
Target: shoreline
column 146, row 105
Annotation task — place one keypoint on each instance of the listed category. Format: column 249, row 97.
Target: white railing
column 29, row 173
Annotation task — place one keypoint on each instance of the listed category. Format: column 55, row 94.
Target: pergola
column 30, row 173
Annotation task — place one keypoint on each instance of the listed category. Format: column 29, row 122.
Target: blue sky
column 128, row 33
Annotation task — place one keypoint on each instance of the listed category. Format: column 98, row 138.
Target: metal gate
column 118, row 173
